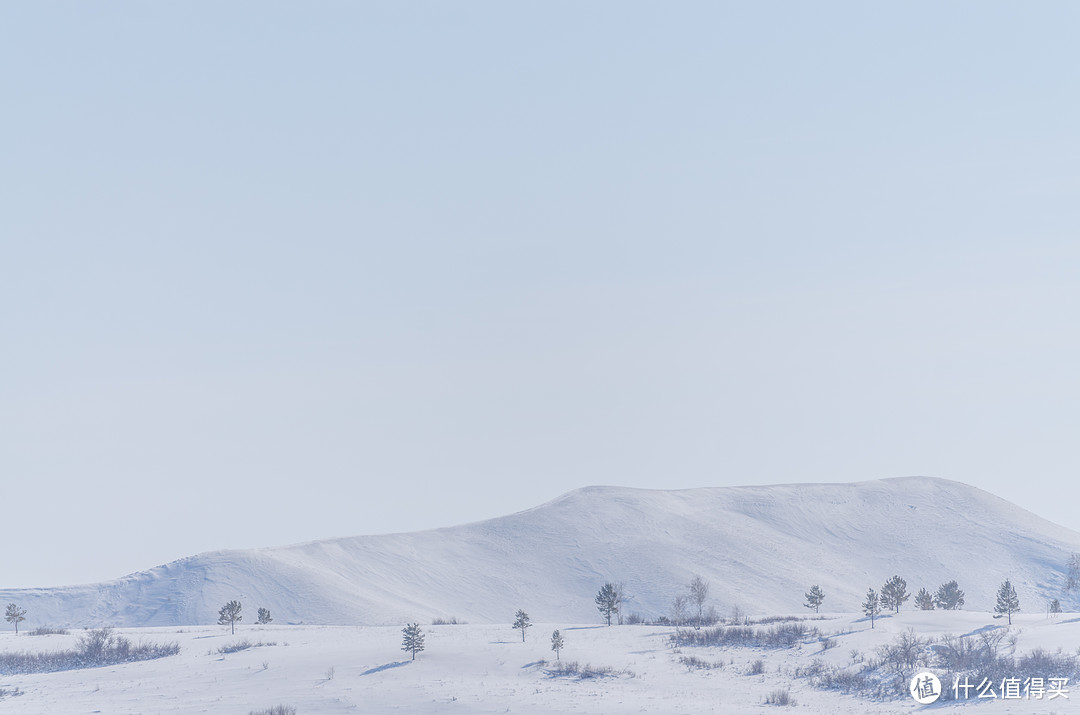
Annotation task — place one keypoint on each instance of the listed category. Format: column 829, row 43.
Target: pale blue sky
column 273, row 272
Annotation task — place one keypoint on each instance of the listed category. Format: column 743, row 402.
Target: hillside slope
column 760, row 547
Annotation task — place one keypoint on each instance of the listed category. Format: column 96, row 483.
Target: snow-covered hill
column 760, row 547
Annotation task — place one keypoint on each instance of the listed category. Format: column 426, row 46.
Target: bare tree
column 1072, row 578
column 699, row 593
column 678, row 609
column 620, row 598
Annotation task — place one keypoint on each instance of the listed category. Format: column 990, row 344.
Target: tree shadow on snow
column 387, row 666
column 583, row 628
column 866, row 619
column 984, row 629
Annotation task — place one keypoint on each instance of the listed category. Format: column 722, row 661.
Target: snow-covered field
column 487, row 669
column 339, row 606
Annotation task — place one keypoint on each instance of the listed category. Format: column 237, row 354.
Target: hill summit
column 760, row 547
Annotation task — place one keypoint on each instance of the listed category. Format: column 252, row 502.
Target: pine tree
column 607, row 601
column 894, row 593
column 924, row 600
column 557, row 644
column 1055, row 606
column 412, row 639
column 15, row 615
column 872, row 605
column 522, row 623
column 1007, row 602
column 814, row 597
column 230, row 614
column 264, row 616
column 949, row 596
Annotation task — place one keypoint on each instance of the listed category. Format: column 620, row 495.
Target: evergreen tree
column 264, row 616
column 522, row 623
column 230, row 614
column 607, row 601
column 412, row 639
column 557, row 644
column 1055, row 606
column 894, row 593
column 924, row 600
column 949, row 596
column 814, row 597
column 15, row 615
column 1007, row 602
column 872, row 605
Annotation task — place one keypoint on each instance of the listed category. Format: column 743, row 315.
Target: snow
column 341, row 604
column 760, row 547
column 485, row 668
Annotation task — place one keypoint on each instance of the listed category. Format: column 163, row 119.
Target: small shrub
column 48, row 631
column 757, row 667
column 695, row 663
column 780, row 697
column 634, row 619
column 95, row 648
column 330, row 673
column 452, row 621
column 767, row 620
column 845, row 681
column 827, row 643
column 907, row 653
column 240, row 645
column 815, row 667
column 574, row 669
column 276, row 710
column 781, row 635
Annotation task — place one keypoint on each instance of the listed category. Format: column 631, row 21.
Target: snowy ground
column 487, row 669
